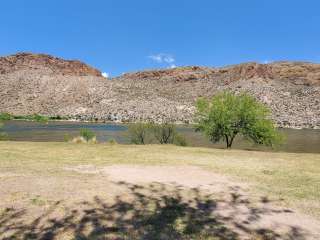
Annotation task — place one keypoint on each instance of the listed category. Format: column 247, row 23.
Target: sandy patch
column 109, row 201
column 234, row 204
column 186, row 176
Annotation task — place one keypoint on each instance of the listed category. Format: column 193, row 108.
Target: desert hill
column 38, row 83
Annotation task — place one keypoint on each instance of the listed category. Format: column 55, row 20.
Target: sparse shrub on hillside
column 164, row 133
column 138, row 133
column 87, row 135
column 227, row 115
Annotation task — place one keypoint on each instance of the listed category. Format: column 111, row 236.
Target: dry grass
column 293, row 178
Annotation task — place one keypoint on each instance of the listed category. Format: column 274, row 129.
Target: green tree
column 138, row 132
column 226, row 115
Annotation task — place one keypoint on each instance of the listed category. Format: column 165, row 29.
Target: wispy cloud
column 104, row 74
column 164, row 58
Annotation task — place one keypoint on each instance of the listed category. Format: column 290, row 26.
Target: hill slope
column 31, row 83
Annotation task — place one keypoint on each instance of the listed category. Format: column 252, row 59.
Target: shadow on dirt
column 155, row 211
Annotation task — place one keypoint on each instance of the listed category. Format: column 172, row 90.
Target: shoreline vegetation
column 44, row 118
column 32, row 117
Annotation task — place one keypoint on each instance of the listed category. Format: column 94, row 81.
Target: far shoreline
column 117, row 122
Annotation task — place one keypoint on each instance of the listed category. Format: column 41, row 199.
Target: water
column 305, row 140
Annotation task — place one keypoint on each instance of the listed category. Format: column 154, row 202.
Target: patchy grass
column 72, row 191
column 292, row 178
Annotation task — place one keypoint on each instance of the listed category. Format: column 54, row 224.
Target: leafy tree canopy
column 226, row 115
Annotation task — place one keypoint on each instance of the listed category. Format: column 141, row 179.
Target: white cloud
column 168, row 59
column 156, row 58
column 163, row 58
column 104, row 74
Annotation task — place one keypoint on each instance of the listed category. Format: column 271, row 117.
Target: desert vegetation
column 139, row 133
column 85, row 136
column 127, row 192
column 281, row 85
column 162, row 133
column 3, row 135
column 227, row 115
column 33, row 117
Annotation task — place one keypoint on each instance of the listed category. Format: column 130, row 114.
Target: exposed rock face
column 71, row 88
column 53, row 65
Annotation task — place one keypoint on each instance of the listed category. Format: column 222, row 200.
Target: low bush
column 58, row 117
column 139, row 133
column 164, row 133
column 5, row 117
column 3, row 135
column 67, row 137
column 39, row 118
column 87, row 135
column 112, row 141
column 180, row 140
column 33, row 117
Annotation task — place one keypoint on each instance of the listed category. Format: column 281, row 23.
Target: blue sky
column 118, row 36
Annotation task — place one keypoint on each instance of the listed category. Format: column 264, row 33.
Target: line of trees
column 164, row 133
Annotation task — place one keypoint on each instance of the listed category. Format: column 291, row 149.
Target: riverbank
column 283, row 188
column 57, row 131
column 84, row 119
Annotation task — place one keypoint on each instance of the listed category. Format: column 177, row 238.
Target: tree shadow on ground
column 156, row 211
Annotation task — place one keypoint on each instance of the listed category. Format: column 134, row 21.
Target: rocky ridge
column 50, row 64
column 51, row 86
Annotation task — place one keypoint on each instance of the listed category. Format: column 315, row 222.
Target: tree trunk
column 228, row 143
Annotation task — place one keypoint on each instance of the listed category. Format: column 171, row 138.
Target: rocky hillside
column 46, row 85
column 46, row 63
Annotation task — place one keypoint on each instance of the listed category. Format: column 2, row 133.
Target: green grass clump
column 87, row 134
column 5, row 116
column 33, row 117
column 180, row 140
column 3, row 135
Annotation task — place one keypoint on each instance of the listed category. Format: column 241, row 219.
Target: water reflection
column 306, row 140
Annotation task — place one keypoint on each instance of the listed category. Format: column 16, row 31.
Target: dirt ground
column 141, row 202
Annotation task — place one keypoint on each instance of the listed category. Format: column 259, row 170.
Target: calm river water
column 305, row 140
